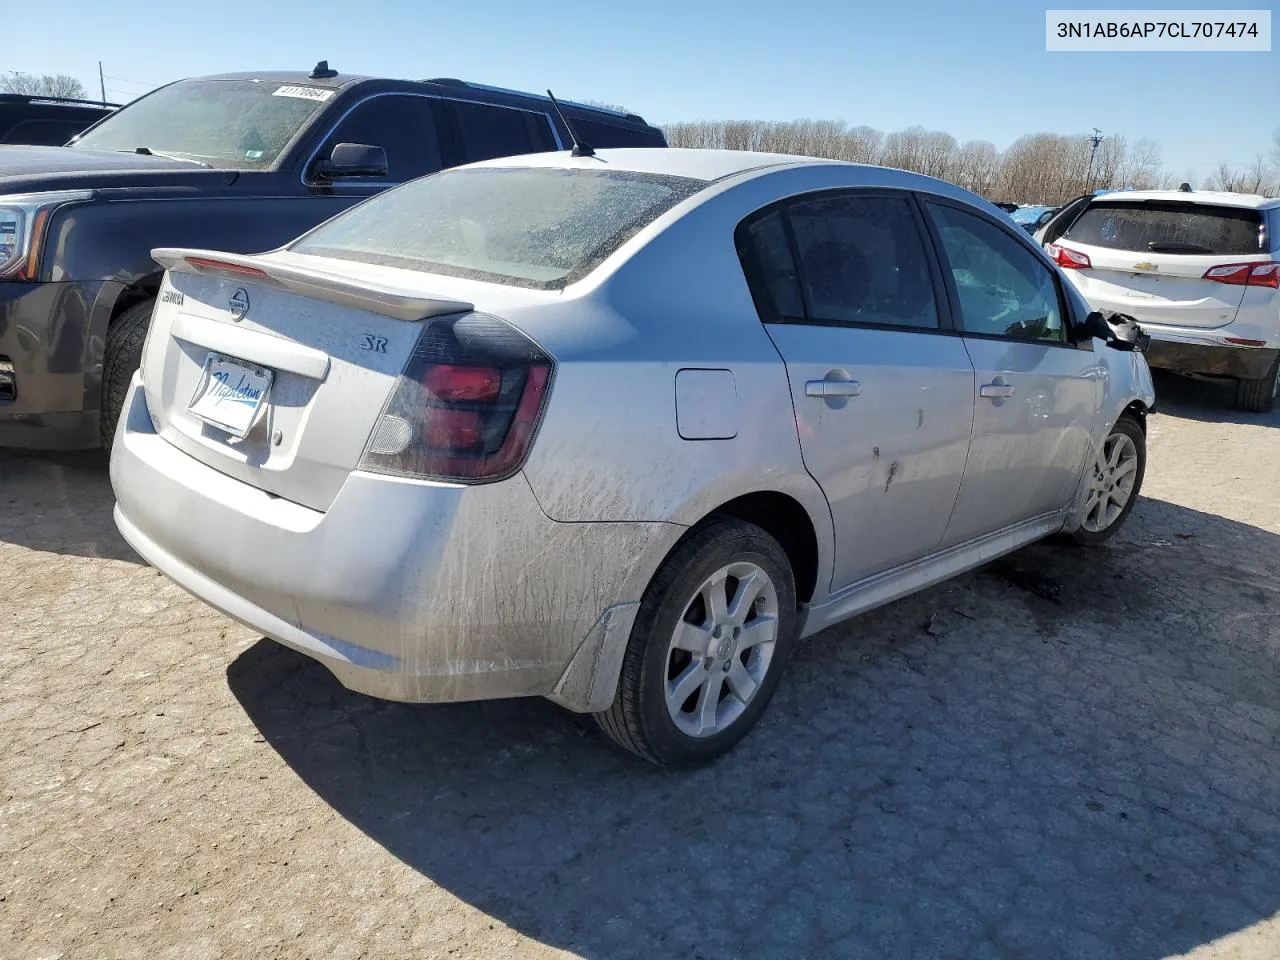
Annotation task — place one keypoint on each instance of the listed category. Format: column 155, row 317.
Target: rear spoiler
column 317, row 284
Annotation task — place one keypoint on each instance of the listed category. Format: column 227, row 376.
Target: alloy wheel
column 1114, row 473
column 721, row 649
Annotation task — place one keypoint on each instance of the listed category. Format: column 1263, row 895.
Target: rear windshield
column 1158, row 227
column 232, row 124
column 531, row 227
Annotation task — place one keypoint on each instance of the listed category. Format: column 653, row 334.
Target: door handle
column 832, row 388
column 996, row 390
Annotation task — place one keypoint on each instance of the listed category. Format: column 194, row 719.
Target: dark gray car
column 240, row 162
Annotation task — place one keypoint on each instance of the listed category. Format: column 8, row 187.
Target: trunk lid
column 1149, row 258
column 332, row 347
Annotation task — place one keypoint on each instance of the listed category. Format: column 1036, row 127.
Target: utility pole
column 1094, row 140
column 102, row 84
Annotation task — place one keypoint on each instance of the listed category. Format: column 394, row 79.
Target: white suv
column 1199, row 271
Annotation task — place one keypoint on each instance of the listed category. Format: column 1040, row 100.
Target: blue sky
column 976, row 72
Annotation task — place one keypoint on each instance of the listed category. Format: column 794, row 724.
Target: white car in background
column 1199, row 271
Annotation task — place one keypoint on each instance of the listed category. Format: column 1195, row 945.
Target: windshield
column 1170, row 227
column 532, row 227
column 235, row 124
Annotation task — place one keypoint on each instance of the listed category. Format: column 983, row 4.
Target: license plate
column 231, row 394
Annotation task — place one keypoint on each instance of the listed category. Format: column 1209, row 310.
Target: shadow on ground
column 60, row 503
column 1210, row 401
column 1066, row 754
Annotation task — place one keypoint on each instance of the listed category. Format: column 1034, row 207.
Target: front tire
column 121, row 358
column 711, row 638
column 1114, row 483
column 1258, row 396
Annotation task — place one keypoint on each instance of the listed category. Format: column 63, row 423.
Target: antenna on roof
column 322, row 71
column 580, row 147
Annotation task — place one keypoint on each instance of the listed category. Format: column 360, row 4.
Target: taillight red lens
column 467, row 405
column 1265, row 274
column 1067, row 258
column 451, row 429
column 450, row 382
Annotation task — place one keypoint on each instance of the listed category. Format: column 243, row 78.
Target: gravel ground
column 1066, row 754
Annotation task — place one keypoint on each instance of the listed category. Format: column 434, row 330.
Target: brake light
column 224, row 266
column 1067, row 258
column 1244, row 342
column 1266, row 274
column 467, row 405
column 450, row 382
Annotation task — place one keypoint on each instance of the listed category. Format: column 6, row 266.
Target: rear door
column 1149, row 258
column 883, row 394
column 1037, row 395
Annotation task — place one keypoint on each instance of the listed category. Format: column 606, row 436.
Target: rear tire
column 121, row 358
column 686, row 649
column 1127, row 446
column 1258, row 396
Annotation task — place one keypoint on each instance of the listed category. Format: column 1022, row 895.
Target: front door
column 883, row 395
column 1036, row 394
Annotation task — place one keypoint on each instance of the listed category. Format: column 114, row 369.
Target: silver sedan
column 619, row 430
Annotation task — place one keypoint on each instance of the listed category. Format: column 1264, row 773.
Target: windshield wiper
column 1175, row 246
column 148, row 152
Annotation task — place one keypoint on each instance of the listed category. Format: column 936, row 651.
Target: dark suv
column 239, row 162
column 46, row 121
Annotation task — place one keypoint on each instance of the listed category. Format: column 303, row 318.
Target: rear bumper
column 52, row 334
column 403, row 589
column 1210, row 359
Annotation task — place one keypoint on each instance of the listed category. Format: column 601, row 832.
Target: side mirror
column 1119, row 331
column 354, row 160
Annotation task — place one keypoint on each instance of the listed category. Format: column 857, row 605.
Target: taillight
column 466, row 406
column 1265, row 274
column 1067, row 258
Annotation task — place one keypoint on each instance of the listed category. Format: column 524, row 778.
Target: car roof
column 708, row 165
column 1215, row 197
column 446, row 86
column 288, row 76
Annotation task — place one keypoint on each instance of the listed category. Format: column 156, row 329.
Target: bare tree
column 1227, row 178
column 1138, row 165
column 1256, row 176
column 49, row 85
column 1039, row 168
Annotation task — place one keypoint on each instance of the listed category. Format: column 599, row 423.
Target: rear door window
column 766, row 255
column 863, row 260
column 1170, row 227
column 402, row 125
column 489, row 131
column 848, row 258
